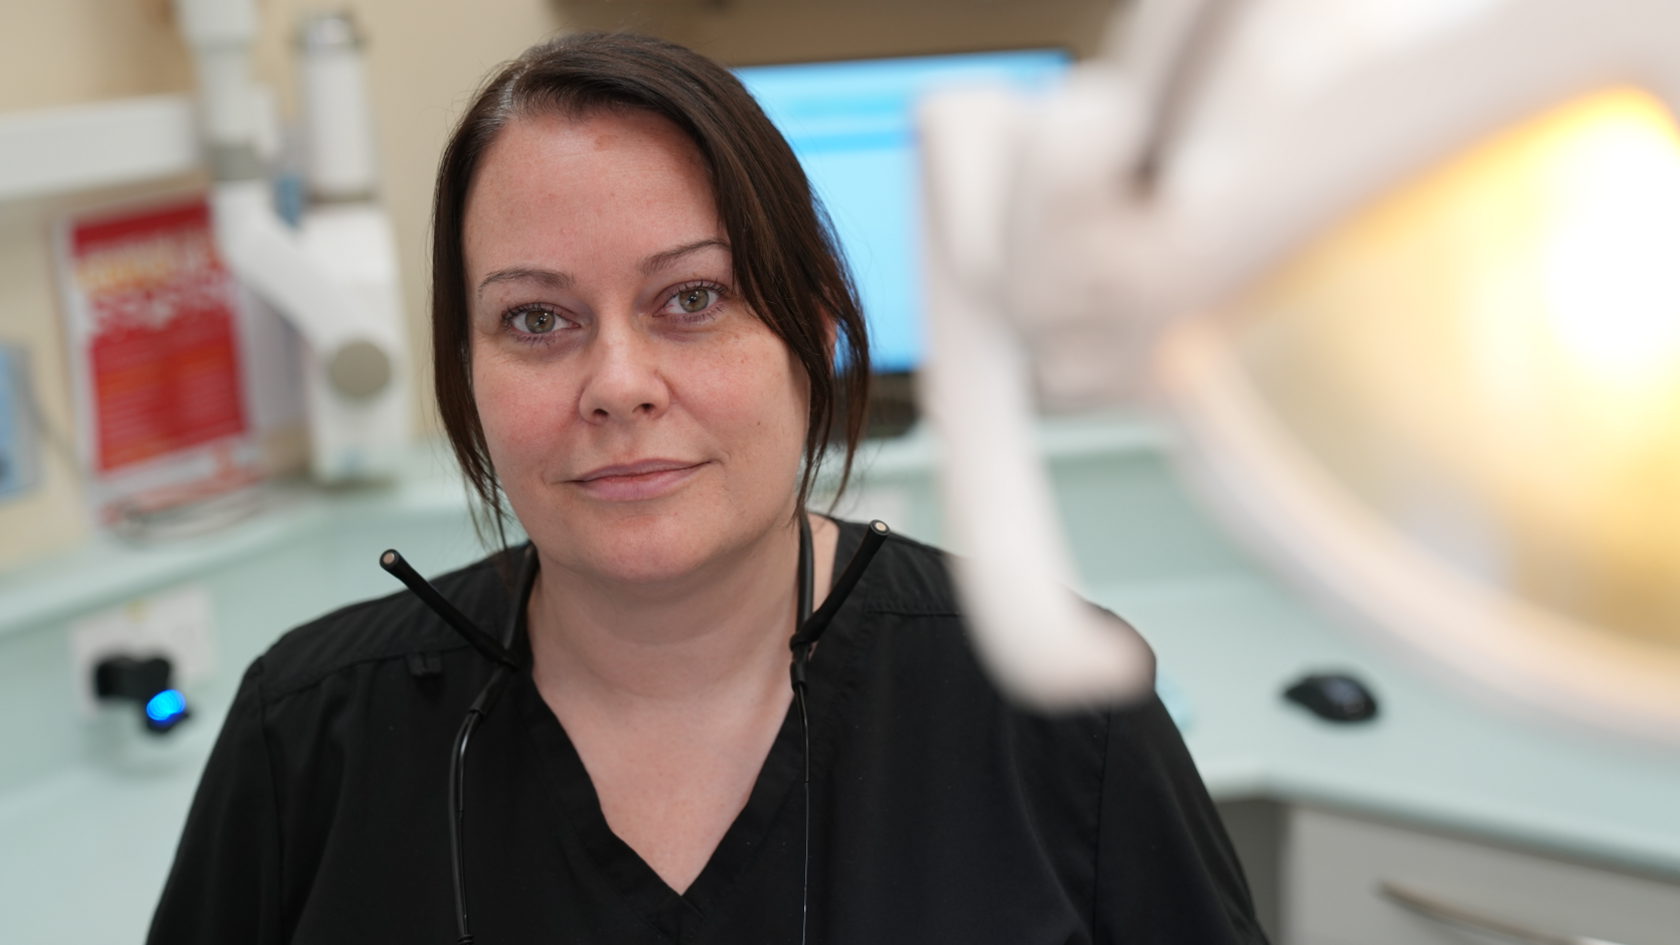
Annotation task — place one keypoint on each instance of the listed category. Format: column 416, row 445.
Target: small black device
column 146, row 683
column 1337, row 697
column 809, row 629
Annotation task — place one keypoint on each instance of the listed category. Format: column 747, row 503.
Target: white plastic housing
column 359, row 437
column 338, row 123
column 336, row 280
column 220, row 33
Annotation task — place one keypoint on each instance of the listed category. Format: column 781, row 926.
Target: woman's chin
column 644, row 550
column 645, row 566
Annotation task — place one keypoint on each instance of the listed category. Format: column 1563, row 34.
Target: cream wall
column 424, row 59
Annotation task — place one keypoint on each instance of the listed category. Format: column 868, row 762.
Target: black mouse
column 1337, row 697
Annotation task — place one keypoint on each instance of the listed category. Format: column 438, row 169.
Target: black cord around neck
column 810, row 630
column 810, row 627
column 807, row 591
column 501, row 652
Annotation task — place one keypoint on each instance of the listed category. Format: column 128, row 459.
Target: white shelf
column 103, row 144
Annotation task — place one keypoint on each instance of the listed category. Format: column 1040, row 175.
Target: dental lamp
column 1086, row 249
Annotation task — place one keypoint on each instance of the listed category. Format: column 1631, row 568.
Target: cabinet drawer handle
column 1454, row 914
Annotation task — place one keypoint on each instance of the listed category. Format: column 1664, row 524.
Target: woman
column 636, row 313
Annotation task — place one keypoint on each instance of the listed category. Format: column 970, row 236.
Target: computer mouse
column 1336, row 697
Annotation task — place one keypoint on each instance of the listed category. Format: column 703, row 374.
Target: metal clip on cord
column 811, row 629
column 812, row 626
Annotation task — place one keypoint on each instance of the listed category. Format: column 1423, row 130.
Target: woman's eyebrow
column 659, row 261
column 547, row 278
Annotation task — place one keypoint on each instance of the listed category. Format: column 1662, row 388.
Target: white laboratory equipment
column 335, row 278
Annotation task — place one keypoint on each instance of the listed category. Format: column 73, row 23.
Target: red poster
column 179, row 373
column 163, row 357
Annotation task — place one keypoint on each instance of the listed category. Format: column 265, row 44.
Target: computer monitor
column 852, row 124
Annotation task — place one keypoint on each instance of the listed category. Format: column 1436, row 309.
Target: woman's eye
column 537, row 321
column 694, row 300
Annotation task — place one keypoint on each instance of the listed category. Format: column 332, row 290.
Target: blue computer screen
column 853, row 126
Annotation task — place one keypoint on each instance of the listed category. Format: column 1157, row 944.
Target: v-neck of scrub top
column 776, row 799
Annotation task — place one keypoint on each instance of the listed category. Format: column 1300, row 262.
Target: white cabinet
column 1332, row 867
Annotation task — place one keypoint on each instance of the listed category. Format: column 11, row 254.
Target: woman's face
column 643, row 422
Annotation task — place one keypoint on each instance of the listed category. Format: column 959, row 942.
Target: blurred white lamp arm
column 1041, row 643
column 1085, row 250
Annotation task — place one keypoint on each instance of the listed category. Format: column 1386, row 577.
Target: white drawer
column 1334, row 866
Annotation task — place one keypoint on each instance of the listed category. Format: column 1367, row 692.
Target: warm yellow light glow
column 1490, row 357
column 1613, row 256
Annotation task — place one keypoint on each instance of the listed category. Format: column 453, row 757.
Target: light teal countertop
column 1435, row 755
column 89, row 812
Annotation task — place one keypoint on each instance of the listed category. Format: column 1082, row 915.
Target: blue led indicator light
column 166, row 707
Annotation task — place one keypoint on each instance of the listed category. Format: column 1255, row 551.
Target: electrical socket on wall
column 175, row 624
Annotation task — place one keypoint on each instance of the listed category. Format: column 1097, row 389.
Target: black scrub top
column 939, row 812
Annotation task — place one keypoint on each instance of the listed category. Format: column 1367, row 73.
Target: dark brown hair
column 788, row 265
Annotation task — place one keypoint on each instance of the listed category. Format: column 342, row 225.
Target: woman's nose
column 624, row 381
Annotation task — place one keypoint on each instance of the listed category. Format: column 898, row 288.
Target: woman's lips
column 630, row 482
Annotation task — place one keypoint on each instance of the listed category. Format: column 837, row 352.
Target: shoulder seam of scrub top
column 275, row 696
column 879, row 599
column 391, row 627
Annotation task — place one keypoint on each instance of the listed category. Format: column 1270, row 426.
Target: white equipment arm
column 1041, row 643
column 265, row 253
column 335, row 278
